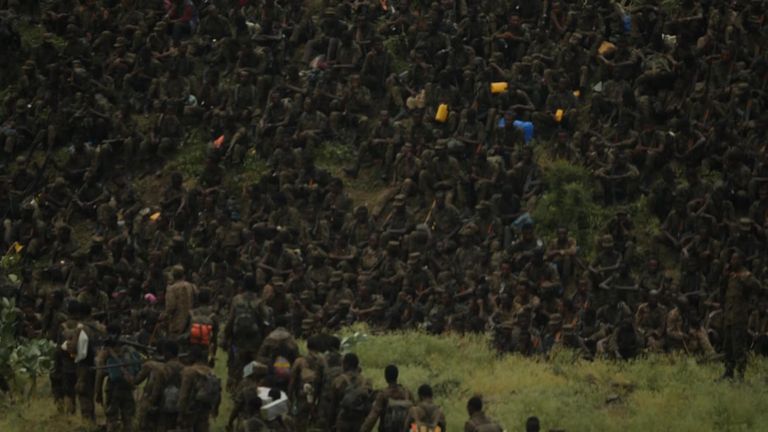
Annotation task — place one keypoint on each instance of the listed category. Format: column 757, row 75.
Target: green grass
column 658, row 393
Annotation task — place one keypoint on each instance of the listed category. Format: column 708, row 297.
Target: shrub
column 21, row 360
column 569, row 202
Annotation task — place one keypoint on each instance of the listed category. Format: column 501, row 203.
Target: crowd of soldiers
column 444, row 103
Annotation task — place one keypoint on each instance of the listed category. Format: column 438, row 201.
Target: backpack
column 331, row 371
column 246, row 318
column 395, row 415
column 170, row 401
column 356, row 402
column 427, row 425
column 208, row 393
column 281, row 368
column 200, row 329
column 488, row 426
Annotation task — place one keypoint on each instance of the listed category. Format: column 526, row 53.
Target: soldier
column 200, row 393
column 650, row 320
column 117, row 365
column 391, row 406
column 158, row 405
column 306, row 384
column 278, row 351
column 478, row 421
column 330, row 347
column 204, row 325
column 94, row 297
column 64, row 373
column 425, row 413
column 254, row 374
column 739, row 288
column 607, row 261
column 84, row 345
column 444, row 219
column 562, row 252
column 179, row 299
column 247, row 324
column 350, row 396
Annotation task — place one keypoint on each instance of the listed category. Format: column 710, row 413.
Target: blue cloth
column 527, row 128
column 627, row 23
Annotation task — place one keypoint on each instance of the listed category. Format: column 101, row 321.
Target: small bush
column 569, row 202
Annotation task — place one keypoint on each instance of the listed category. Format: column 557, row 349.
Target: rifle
column 133, row 363
column 146, row 348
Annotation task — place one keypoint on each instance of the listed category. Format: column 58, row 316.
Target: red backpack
column 200, row 329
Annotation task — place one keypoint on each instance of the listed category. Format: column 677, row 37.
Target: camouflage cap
column 555, row 319
column 745, row 224
column 337, row 276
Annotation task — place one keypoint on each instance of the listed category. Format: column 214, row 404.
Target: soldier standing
column 117, row 365
column 244, row 330
column 200, row 393
column 740, row 285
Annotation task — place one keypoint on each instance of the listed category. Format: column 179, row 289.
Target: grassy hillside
column 652, row 394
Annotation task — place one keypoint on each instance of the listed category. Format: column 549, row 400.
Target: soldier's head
column 278, row 285
column 336, row 280
column 197, row 354
column 391, row 373
column 474, row 405
column 73, row 309
column 350, row 362
column 177, row 272
column 425, row 392
column 249, row 283
column 361, row 213
column 606, row 242
column 653, row 265
column 170, row 349
column 176, row 180
column 527, row 231
column 204, row 297
column 354, row 81
column 91, row 286
column 276, row 246
column 440, row 199
column 532, row 424
column 113, row 334
column 737, row 259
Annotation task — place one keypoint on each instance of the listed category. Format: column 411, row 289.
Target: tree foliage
column 22, row 360
column 569, row 202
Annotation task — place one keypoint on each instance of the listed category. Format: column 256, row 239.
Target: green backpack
column 246, row 319
column 356, row 403
column 208, row 393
